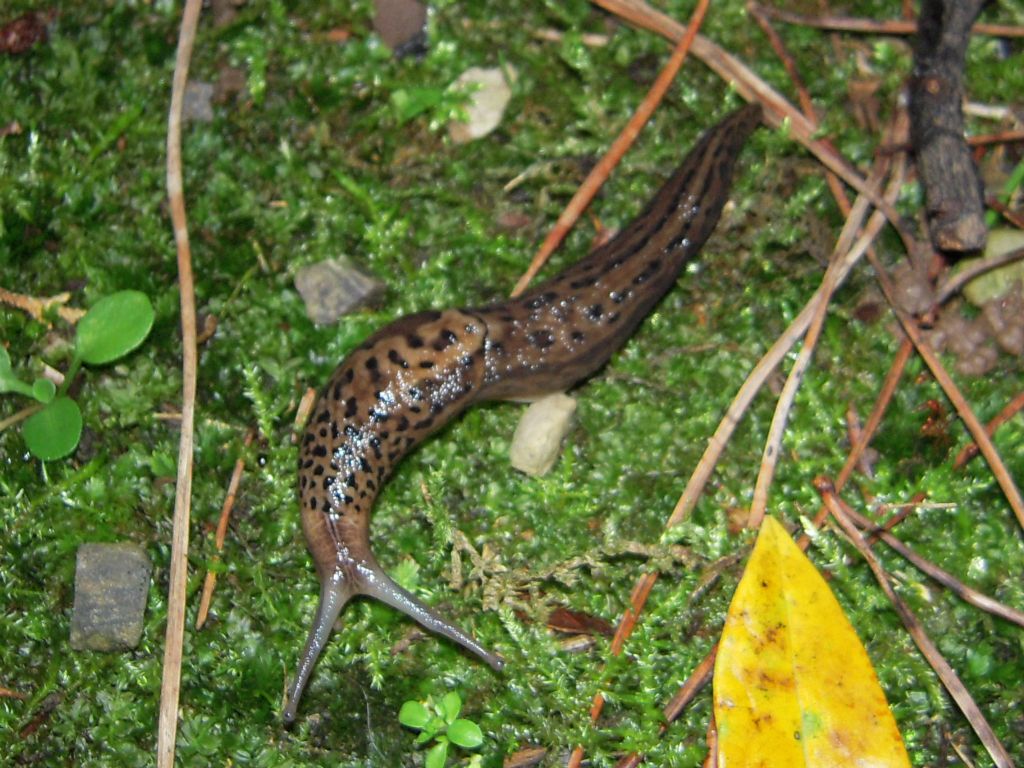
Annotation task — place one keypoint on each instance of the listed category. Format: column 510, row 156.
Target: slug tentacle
column 413, row 376
column 335, row 592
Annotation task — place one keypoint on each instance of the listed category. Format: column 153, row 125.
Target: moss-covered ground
column 316, row 160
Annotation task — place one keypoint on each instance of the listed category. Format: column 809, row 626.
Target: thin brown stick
column 1008, row 411
column 1012, row 216
column 1002, row 137
column 885, row 395
column 21, row 415
column 876, row 26
column 930, row 569
column 610, row 159
column 957, row 690
column 170, row 687
column 210, row 582
column 764, row 22
column 700, row 677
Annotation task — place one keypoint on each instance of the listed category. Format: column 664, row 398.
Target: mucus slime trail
column 413, row 376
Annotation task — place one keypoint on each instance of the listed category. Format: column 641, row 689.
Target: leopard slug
column 413, row 376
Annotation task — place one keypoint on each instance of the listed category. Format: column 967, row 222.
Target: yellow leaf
column 793, row 685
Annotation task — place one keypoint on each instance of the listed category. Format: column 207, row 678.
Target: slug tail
column 335, row 592
column 377, row 584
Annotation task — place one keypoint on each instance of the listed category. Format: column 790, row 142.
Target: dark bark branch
column 953, row 190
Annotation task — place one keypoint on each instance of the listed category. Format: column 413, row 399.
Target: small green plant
column 439, row 721
column 115, row 326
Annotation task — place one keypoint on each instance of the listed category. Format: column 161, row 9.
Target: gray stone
column 333, row 288
column 111, row 586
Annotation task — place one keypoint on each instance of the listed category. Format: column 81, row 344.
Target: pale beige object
column 489, row 94
column 538, row 437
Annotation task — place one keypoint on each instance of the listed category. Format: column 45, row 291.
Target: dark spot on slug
column 351, row 406
column 466, row 361
column 318, row 470
column 594, row 312
column 427, row 364
column 649, row 271
column 364, row 465
column 541, row 338
column 323, row 417
column 583, row 282
column 578, row 336
column 397, row 359
column 320, row 450
column 444, row 340
column 374, row 368
column 413, row 340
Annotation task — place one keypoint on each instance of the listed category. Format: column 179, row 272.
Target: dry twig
column 210, row 582
column 170, row 687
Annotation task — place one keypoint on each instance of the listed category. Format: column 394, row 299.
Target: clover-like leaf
column 43, row 390
column 414, row 715
column 450, row 706
column 54, row 432
column 437, row 754
column 115, row 326
column 466, row 734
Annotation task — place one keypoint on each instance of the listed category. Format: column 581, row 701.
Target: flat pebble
column 111, row 585
column 334, row 288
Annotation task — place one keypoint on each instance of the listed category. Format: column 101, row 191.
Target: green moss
column 316, row 161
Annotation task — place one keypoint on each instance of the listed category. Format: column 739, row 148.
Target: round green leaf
column 466, row 734
column 43, row 390
column 450, row 706
column 437, row 755
column 413, row 715
column 54, row 431
column 115, row 326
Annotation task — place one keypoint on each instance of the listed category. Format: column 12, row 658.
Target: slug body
column 414, row 375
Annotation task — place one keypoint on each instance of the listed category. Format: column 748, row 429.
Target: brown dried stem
column 875, row 26
column 170, row 687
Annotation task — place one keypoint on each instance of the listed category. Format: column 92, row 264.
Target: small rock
column 489, row 94
column 401, row 25
column 25, row 32
column 197, row 104
column 333, row 288
column 538, row 437
column 111, row 585
column 997, row 282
